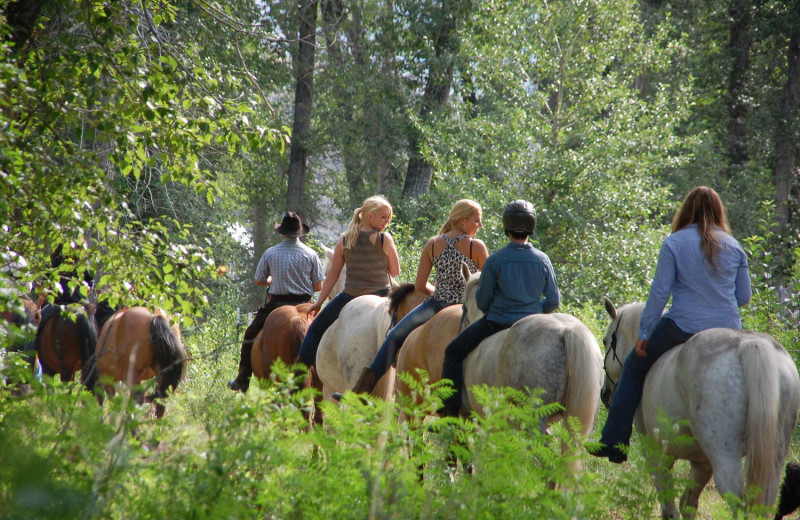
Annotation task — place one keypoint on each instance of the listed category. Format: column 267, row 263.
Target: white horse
column 738, row 390
column 553, row 352
column 352, row 341
column 326, row 266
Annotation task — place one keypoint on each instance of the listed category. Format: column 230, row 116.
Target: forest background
column 148, row 137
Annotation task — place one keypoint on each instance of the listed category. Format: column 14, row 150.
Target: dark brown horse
column 136, row 345
column 65, row 341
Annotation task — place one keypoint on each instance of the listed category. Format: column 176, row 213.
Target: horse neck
column 628, row 328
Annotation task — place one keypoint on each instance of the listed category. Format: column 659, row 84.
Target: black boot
column 365, row 384
column 242, row 381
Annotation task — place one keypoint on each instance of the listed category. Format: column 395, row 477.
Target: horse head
column 619, row 340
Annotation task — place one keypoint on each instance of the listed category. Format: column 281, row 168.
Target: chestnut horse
column 283, row 332
column 65, row 342
column 136, row 345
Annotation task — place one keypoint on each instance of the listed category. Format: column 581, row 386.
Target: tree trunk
column 255, row 293
column 436, row 95
column 786, row 175
column 303, row 96
column 739, row 49
column 21, row 16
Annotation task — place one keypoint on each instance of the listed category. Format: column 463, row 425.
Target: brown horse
column 136, row 345
column 283, row 332
column 65, row 341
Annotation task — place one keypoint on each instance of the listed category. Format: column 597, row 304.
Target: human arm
column 660, row 291
column 263, row 283
column 552, row 296
column 486, row 287
column 479, row 252
column 335, row 270
column 391, row 254
column 424, row 270
column 743, row 291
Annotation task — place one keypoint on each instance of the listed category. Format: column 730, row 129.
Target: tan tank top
column 367, row 266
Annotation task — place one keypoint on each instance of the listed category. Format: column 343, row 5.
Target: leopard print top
column 450, row 282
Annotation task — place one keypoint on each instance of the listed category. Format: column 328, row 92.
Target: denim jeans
column 325, row 318
column 458, row 350
column 619, row 424
column 398, row 334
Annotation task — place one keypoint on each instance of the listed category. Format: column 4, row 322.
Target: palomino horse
column 739, row 392
column 65, row 341
column 554, row 352
column 352, row 341
column 136, row 345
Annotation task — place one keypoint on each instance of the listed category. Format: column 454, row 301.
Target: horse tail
column 87, row 342
column 169, row 353
column 762, row 398
column 585, row 375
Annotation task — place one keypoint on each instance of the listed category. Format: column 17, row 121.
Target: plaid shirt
column 294, row 268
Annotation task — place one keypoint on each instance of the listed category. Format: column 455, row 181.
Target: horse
column 283, row 332
column 66, row 338
column 136, row 345
column 735, row 392
column 352, row 341
column 554, row 352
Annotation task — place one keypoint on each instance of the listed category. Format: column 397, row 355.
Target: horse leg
column 662, row 477
column 728, row 475
column 699, row 475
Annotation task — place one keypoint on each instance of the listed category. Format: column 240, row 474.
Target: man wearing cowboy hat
column 292, row 272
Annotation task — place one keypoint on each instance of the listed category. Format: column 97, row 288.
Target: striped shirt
column 294, row 268
column 367, row 266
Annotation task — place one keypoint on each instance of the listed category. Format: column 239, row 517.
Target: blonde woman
column 371, row 258
column 447, row 251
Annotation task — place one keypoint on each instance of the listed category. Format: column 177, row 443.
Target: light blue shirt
column 517, row 281
column 702, row 297
column 294, row 268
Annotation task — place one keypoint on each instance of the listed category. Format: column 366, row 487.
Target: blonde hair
column 461, row 209
column 370, row 205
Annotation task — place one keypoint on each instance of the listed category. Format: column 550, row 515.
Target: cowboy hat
column 291, row 225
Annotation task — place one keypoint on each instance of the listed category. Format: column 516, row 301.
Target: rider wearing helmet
column 516, row 281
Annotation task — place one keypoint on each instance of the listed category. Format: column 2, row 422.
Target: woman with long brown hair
column 705, row 272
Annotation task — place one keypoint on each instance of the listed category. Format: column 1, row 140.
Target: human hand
column 314, row 309
column 641, row 347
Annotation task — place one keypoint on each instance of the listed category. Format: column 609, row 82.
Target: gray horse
column 735, row 392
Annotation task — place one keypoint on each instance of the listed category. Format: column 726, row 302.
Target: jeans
column 398, row 334
column 458, row 350
column 619, row 424
column 325, row 318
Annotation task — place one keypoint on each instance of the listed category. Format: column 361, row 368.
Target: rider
column 516, row 281
column 447, row 251
column 292, row 273
column 371, row 259
column 704, row 269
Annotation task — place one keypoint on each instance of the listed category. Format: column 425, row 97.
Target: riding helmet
column 519, row 216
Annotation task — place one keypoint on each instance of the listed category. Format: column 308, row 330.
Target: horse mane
column 399, row 294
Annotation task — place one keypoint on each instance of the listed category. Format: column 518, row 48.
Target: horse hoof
column 238, row 386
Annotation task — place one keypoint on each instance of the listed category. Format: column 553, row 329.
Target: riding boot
column 365, row 384
column 242, row 381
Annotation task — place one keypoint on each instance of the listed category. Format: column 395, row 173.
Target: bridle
column 613, row 348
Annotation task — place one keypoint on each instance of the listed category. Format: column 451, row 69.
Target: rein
column 464, row 320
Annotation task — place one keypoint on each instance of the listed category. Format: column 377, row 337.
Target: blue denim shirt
column 702, row 298
column 517, row 281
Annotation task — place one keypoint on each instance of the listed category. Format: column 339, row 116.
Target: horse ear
column 465, row 271
column 610, row 309
column 328, row 251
